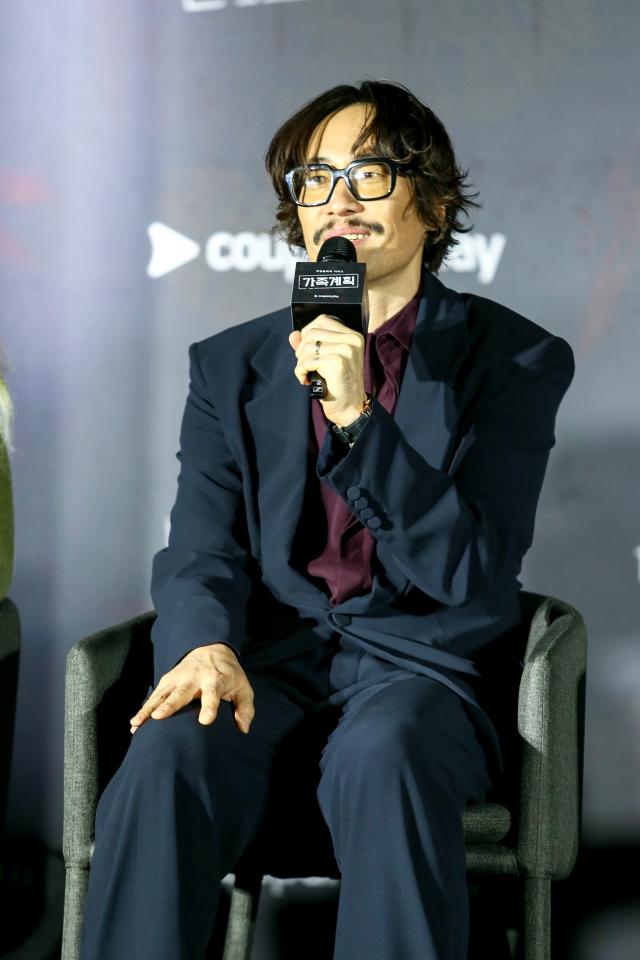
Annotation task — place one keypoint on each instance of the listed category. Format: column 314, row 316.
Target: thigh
column 178, row 762
column 258, row 789
column 197, row 749
column 404, row 723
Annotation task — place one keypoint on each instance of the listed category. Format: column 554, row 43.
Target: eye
column 370, row 172
column 316, row 178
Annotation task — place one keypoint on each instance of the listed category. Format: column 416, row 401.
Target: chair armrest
column 94, row 684
column 551, row 723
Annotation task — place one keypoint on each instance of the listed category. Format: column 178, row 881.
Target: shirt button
column 341, row 619
column 353, row 493
column 374, row 523
column 367, row 514
column 361, row 503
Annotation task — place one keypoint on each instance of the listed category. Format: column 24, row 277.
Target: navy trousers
column 349, row 759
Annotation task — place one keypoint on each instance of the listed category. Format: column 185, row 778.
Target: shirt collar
column 402, row 324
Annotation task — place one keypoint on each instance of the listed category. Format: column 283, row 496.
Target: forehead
column 335, row 138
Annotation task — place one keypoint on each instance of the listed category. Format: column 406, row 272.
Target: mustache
column 355, row 222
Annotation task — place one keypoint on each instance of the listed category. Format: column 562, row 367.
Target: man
column 339, row 588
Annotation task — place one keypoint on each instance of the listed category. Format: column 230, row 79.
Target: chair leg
column 537, row 918
column 242, row 919
column 75, row 894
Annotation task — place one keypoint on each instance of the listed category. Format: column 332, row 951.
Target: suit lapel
column 279, row 416
column 426, row 412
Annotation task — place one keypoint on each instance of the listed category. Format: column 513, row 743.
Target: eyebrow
column 356, row 156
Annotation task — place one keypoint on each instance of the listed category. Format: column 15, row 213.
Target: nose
column 343, row 202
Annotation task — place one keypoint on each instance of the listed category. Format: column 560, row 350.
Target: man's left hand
column 339, row 359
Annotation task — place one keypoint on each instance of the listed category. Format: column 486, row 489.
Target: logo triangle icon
column 169, row 249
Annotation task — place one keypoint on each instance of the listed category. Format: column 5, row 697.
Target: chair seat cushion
column 486, row 822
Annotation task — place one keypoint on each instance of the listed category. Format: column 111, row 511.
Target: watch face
column 349, row 433
column 342, row 433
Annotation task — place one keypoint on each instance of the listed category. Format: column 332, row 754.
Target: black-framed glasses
column 370, row 178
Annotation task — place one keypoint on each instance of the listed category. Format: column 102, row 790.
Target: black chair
column 530, row 832
column 9, row 660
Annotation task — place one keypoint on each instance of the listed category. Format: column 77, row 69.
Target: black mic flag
column 336, row 284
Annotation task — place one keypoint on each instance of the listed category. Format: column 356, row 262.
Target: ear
column 435, row 229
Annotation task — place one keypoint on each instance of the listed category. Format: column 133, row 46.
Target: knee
column 379, row 750
column 163, row 751
column 159, row 745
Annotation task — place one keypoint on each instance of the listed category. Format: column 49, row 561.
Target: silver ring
column 318, row 345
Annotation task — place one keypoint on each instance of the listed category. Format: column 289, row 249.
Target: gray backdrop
column 134, row 219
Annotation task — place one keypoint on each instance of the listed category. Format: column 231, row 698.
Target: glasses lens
column 311, row 184
column 371, row 181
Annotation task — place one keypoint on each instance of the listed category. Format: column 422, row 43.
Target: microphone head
column 338, row 248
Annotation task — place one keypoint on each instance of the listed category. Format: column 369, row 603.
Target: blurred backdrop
column 135, row 218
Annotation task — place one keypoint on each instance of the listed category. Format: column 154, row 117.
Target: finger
column 210, row 702
column 328, row 351
column 331, row 366
column 150, row 704
column 332, row 337
column 323, row 321
column 294, row 339
column 244, row 711
column 179, row 697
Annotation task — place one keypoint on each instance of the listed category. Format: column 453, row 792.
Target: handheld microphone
column 336, row 284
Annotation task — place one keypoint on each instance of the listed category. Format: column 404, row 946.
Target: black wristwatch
column 349, row 433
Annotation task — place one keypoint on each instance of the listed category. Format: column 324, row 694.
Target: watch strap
column 351, row 431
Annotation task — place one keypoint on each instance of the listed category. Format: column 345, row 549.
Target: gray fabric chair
column 9, row 659
column 531, row 833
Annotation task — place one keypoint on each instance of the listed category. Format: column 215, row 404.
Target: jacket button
column 341, row 619
column 361, row 503
column 367, row 514
column 374, row 523
column 353, row 493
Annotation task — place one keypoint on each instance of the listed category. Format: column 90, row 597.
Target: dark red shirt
column 346, row 562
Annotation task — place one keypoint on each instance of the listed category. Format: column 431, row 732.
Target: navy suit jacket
column 453, row 478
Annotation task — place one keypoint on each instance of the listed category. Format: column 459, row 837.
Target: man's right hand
column 211, row 673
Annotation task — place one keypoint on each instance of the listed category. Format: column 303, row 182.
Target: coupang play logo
column 211, row 6
column 476, row 253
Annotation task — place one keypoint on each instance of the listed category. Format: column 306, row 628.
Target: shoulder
column 502, row 335
column 235, row 348
column 246, row 336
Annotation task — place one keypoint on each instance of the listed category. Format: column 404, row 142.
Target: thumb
column 294, row 339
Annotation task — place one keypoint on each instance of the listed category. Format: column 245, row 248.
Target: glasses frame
column 396, row 167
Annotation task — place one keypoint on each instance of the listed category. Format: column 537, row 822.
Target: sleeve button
column 353, row 493
column 374, row 523
column 367, row 514
column 361, row 503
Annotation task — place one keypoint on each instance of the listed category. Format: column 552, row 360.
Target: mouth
column 356, row 237
column 353, row 229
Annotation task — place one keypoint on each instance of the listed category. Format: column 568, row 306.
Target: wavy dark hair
column 400, row 127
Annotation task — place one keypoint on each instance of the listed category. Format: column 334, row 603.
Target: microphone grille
column 338, row 248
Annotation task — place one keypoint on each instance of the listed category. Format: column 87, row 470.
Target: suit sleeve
column 456, row 534
column 200, row 584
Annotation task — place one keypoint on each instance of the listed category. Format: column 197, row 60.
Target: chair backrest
column 535, row 695
column 123, row 699
column 551, row 725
